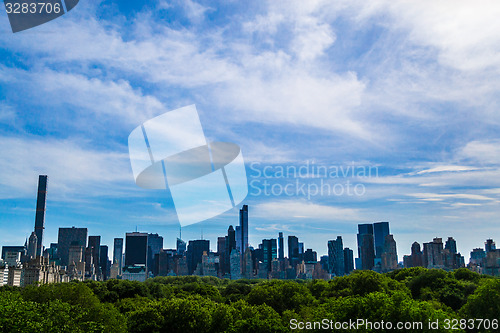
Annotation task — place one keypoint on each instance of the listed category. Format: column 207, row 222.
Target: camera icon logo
column 171, row 151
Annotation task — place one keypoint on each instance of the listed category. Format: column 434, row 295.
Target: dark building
column 155, row 245
column 310, row 256
column 68, row 237
column 104, row 261
column 94, row 245
column 293, row 249
column 221, row 251
column 20, row 249
column 451, row 245
column 348, row 260
column 380, row 231
column 180, row 246
column 244, row 228
column 118, row 253
column 281, row 247
column 40, row 212
column 136, row 248
column 270, row 252
column 195, row 251
column 230, row 245
column 489, row 245
column 366, row 248
column 336, row 263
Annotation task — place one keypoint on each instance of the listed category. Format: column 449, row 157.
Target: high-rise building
column 336, row 263
column 118, row 254
column 40, row 212
column 380, row 231
column 235, row 264
column 451, row 245
column 230, row 245
column 281, row 246
column 155, row 245
column 366, row 248
column 32, row 246
column 195, row 251
column 310, row 256
column 237, row 234
column 221, row 251
column 270, row 249
column 10, row 249
column 104, row 261
column 416, row 257
column 136, row 249
column 180, row 246
column 244, row 228
column 489, row 245
column 433, row 254
column 293, row 248
column 348, row 260
column 68, row 237
column 389, row 255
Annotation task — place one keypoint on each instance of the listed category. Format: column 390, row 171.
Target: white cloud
column 74, row 172
column 302, row 209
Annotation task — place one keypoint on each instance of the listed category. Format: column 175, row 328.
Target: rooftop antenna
column 135, row 228
column 202, row 233
column 180, row 232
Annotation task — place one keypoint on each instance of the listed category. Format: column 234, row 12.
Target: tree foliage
column 207, row 304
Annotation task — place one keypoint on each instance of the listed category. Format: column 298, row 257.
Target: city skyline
column 372, row 236
column 409, row 90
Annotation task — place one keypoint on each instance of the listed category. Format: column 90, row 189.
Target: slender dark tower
column 40, row 212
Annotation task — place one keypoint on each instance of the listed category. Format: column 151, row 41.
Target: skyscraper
column 489, row 245
column 389, row 259
column 155, row 245
column 32, row 246
column 244, row 228
column 348, row 260
column 104, row 261
column 136, row 248
column 180, row 246
column 118, row 254
column 380, row 231
column 94, row 246
column 40, row 212
column 293, row 247
column 68, row 237
column 366, row 249
column 269, row 249
column 336, row 264
column 281, row 246
column 195, row 251
column 230, row 245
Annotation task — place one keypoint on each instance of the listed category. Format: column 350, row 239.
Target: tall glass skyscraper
column 336, row 264
column 244, row 228
column 118, row 253
column 380, row 230
column 40, row 212
column 270, row 251
column 366, row 249
column 281, row 246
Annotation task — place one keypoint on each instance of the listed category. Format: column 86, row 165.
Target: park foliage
column 208, row 304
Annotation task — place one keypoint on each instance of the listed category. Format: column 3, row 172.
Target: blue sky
column 409, row 88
